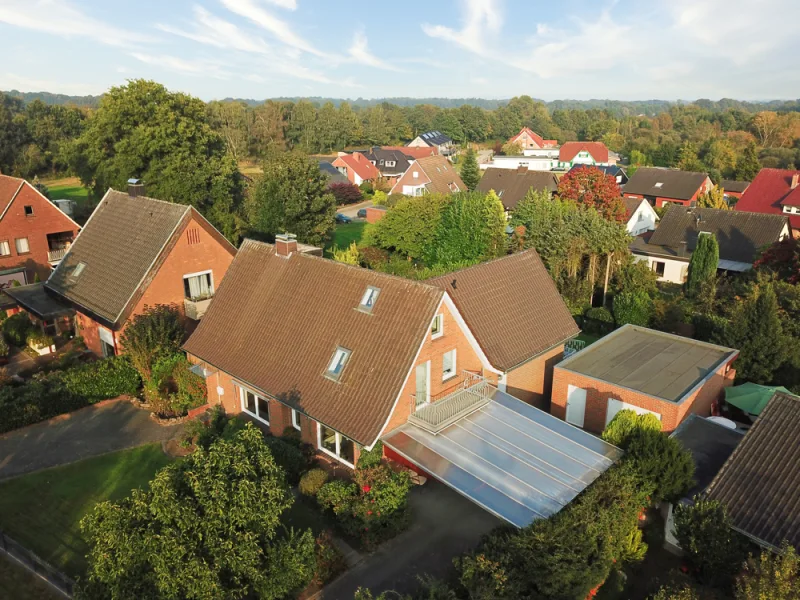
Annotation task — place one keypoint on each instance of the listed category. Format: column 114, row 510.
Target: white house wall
column 674, row 270
column 647, row 222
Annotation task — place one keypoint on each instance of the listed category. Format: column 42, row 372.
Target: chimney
column 795, row 180
column 135, row 188
column 285, row 244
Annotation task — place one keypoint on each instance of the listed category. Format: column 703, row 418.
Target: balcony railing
column 472, row 393
column 55, row 256
column 195, row 309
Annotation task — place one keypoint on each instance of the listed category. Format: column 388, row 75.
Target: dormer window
column 337, row 363
column 76, row 272
column 390, row 163
column 369, row 298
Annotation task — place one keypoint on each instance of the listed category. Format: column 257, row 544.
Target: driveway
column 77, row 435
column 445, row 526
column 351, row 210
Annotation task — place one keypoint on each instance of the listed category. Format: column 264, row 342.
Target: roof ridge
column 186, row 206
column 480, row 264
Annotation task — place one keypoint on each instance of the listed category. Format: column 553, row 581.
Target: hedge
column 16, row 329
column 59, row 392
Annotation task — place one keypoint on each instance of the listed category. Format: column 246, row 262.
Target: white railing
column 56, row 255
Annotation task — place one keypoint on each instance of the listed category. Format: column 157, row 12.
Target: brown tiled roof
column 276, row 322
column 631, row 204
column 8, row 189
column 760, row 482
column 680, row 185
column 512, row 307
column 512, row 184
column 120, row 245
column 443, row 175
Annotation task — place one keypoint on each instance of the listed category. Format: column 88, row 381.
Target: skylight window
column 659, row 184
column 369, row 298
column 337, row 363
column 76, row 272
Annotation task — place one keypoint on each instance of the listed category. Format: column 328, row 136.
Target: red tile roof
column 414, row 152
column 535, row 136
column 360, row 164
column 569, row 150
column 769, row 191
column 8, row 189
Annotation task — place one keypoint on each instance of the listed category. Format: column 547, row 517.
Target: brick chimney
column 795, row 180
column 135, row 188
column 285, row 244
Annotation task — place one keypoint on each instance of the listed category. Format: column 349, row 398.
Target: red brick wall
column 662, row 200
column 532, row 382
column 409, row 179
column 374, row 214
column 89, row 329
column 47, row 218
column 598, row 393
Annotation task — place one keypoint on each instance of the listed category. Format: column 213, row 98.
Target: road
column 350, row 210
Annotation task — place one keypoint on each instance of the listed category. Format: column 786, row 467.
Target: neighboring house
column 584, row 153
column 511, row 186
column 530, row 140
column 355, row 356
column 759, row 483
column 414, row 152
column 664, row 186
column 34, row 233
column 643, row 370
column 710, row 445
column 641, row 216
column 774, row 192
column 533, row 160
column 391, row 163
column 433, row 139
column 740, row 236
column 734, row 189
column 356, row 167
column 431, row 175
column 617, row 172
column 135, row 252
column 334, row 174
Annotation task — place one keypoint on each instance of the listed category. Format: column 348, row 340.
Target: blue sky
column 624, row 49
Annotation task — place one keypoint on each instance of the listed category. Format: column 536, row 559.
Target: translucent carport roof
column 512, row 459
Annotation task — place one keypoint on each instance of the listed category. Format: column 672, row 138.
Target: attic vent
column 76, row 272
column 369, row 298
column 193, row 235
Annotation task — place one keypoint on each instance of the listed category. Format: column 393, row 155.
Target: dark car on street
column 340, row 218
column 362, row 213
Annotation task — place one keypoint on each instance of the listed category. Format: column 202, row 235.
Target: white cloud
column 199, row 67
column 288, row 4
column 13, row 81
column 209, row 29
column 252, row 10
column 482, row 20
column 359, row 52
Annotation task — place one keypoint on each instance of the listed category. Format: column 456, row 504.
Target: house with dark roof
column 530, row 140
column 616, row 171
column 391, row 163
column 430, row 175
column 134, row 252
column 433, row 139
column 34, row 233
column 641, row 216
column 511, row 186
column 740, row 236
column 733, row 189
column 356, row 167
column 661, row 186
column 334, row 175
column 414, row 152
column 640, row 369
column 355, row 356
column 759, row 483
column 774, row 192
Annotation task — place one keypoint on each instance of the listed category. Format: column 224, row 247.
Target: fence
column 36, row 565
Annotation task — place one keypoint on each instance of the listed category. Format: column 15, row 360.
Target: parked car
column 362, row 213
column 340, row 218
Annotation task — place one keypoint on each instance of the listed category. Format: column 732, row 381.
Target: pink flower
column 369, row 512
column 366, row 489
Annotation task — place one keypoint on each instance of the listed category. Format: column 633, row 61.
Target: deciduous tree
column 713, row 198
column 748, row 166
column 592, row 188
column 771, row 576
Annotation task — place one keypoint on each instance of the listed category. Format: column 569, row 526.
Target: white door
column 614, row 406
column 423, row 391
column 576, row 405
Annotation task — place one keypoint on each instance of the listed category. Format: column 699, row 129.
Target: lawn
column 19, row 583
column 589, row 338
column 42, row 511
column 69, row 188
column 345, row 233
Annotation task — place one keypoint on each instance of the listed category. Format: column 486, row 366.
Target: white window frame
column 329, row 371
column 243, row 399
column 27, row 243
column 445, row 374
column 436, row 335
column 7, row 248
column 208, row 272
column 338, row 438
column 372, row 292
column 296, row 420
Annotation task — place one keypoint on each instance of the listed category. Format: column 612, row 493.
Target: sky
column 582, row 49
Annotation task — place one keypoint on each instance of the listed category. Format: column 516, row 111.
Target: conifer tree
column 470, row 171
column 703, row 265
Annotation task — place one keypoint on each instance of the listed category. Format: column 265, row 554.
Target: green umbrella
column 750, row 397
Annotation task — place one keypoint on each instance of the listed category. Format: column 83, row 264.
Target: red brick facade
column 45, row 219
column 532, row 382
column 599, row 392
column 375, row 214
column 660, row 201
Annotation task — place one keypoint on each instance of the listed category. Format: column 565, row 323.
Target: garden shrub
column 102, row 379
column 668, row 314
column 635, row 308
column 4, row 349
column 154, row 334
column 205, row 430
column 336, row 496
column 312, row 481
column 16, row 329
column 619, row 431
column 371, row 458
column 771, row 576
column 3, row 316
column 346, row 193
column 39, row 339
column 662, row 462
column 373, row 258
column 367, row 187
column 329, row 559
column 289, row 457
column 676, row 592
column 598, row 321
column 709, row 328
column 173, row 389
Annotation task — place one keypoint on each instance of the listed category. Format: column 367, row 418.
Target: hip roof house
column 353, row 356
column 664, row 186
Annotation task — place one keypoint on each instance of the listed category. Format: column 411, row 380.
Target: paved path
column 74, row 436
column 351, row 210
column 445, row 526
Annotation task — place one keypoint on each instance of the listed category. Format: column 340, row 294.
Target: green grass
column 77, row 193
column 42, row 511
column 20, row 584
column 589, row 338
column 345, row 234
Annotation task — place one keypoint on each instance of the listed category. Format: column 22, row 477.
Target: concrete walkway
column 445, row 526
column 94, row 430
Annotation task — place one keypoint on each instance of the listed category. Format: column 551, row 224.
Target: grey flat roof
column 36, row 300
column 652, row 362
column 514, row 460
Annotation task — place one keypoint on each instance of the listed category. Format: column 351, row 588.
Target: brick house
column 34, row 233
column 135, row 252
column 355, row 356
column 431, row 175
column 356, row 167
column 644, row 370
column 530, row 140
column 664, row 186
column 571, row 154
